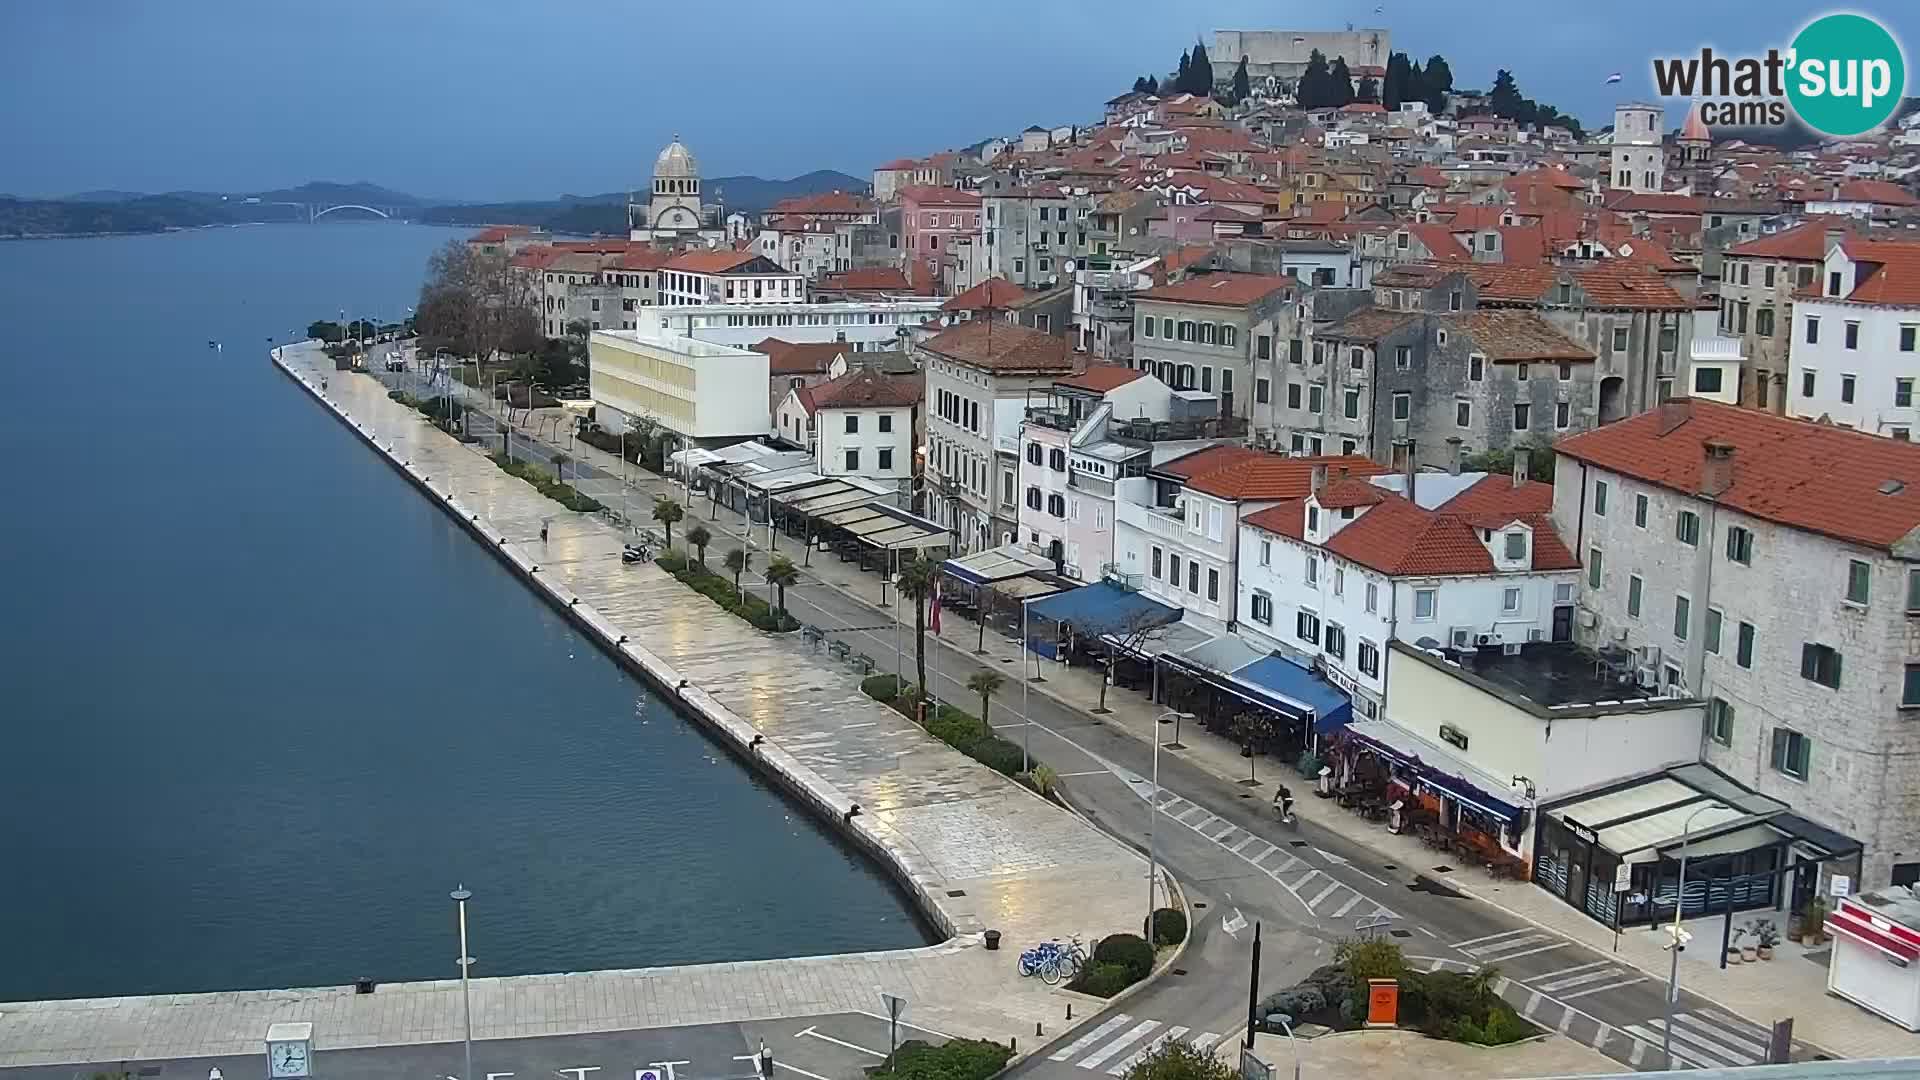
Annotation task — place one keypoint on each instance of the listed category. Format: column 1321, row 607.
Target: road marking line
column 1638, row 1053
column 904, row 1024
column 1756, row 1033
column 1555, row 975
column 1733, row 1043
column 1089, row 772
column 1490, row 937
column 1204, row 1040
column 1181, row 817
column 1304, row 878
column 1533, row 1003
column 1135, row 1034
column 1502, row 985
column 1220, row 837
column 1167, row 807
column 1242, row 844
column 1511, row 943
column 1566, row 1019
column 1653, row 1039
column 1090, row 1038
column 1604, row 987
column 1121, row 1068
column 1348, row 906
column 1701, row 1046
column 1275, row 871
column 1601, row 1033
column 1568, row 982
column 1256, row 859
column 869, row 723
column 793, row 1068
column 812, row 1033
column 1504, row 957
column 1331, row 888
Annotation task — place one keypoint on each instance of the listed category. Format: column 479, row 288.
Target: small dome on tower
column 676, row 162
column 1695, row 130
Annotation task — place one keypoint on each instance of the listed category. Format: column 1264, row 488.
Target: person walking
column 543, row 529
column 1283, row 802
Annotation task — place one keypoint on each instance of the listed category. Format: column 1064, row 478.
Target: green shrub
column 1130, row 950
column 1297, row 1002
column 956, row 729
column 1103, row 980
column 1176, row 1060
column 1169, row 926
column 881, row 687
column 955, row 1059
column 1309, row 765
column 720, row 591
column 998, row 754
column 1043, row 779
column 564, row 494
column 1376, row 958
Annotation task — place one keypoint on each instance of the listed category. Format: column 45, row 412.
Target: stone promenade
column 974, row 850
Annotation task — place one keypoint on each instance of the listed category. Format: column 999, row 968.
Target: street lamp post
column 1286, row 1025
column 461, row 895
column 1153, row 849
column 1679, row 905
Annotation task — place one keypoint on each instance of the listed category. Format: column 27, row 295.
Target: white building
column 673, row 210
column 1855, row 352
column 1471, row 560
column 1771, row 567
column 698, row 390
column 862, row 424
column 728, row 277
column 1639, row 161
column 863, row 325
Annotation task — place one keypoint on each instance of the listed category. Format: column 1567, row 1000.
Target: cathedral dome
column 676, row 162
column 1694, row 130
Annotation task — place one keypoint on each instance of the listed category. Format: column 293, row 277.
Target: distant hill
column 607, row 213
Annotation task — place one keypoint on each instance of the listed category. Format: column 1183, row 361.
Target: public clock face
column 287, row 1059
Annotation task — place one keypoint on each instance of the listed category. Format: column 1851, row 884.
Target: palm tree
column 698, row 538
column 986, row 684
column 780, row 573
column 666, row 511
column 917, row 576
column 560, row 466
column 739, row 560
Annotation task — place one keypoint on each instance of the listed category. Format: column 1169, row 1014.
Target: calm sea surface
column 262, row 707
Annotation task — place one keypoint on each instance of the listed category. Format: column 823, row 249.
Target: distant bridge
column 315, row 211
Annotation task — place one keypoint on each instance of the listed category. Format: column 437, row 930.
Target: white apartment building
column 860, row 424
column 695, row 389
column 1856, row 344
column 863, row 325
column 979, row 377
column 729, row 277
column 1769, row 566
column 1470, row 561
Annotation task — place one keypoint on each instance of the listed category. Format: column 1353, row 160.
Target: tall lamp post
column 1679, row 905
column 1153, row 849
column 460, row 897
column 1286, row 1025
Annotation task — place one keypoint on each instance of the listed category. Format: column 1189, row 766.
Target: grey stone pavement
column 980, row 851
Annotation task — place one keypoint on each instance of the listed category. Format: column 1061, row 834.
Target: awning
column 1437, row 767
column 1026, row 587
column 897, row 529
column 1172, row 638
column 994, row 565
column 1102, row 608
column 1279, row 676
column 1645, row 818
column 1271, row 682
column 1845, row 922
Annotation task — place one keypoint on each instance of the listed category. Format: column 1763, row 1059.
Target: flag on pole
column 1615, row 77
column 934, row 618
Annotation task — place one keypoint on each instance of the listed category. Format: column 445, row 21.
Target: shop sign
column 1340, row 679
column 1578, row 830
column 1840, row 884
column 1623, row 877
column 1453, row 736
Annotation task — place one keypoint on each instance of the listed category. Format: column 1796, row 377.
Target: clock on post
column 289, row 1051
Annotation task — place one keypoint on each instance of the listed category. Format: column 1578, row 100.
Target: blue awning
column 1437, row 767
column 1103, row 608
column 1282, row 678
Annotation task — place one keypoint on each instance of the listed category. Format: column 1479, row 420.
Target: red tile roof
column 928, row 195
column 1806, row 242
column 825, row 202
column 799, row 358
column 1271, row 476
column 1002, row 346
column 866, row 388
column 898, row 165
column 1607, row 285
column 1205, row 459
column 1223, row 289
column 1878, row 192
column 641, row 259
column 1822, row 479
column 1513, row 336
column 1350, row 491
column 995, row 293
column 498, row 234
column 1890, row 272
column 709, row 262
column 1656, row 202
column 1100, row 378
column 870, row 279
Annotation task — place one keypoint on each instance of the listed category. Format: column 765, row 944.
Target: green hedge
column 1102, row 980
column 1169, row 926
column 954, row 726
column 564, row 494
column 955, row 1059
column 633, row 447
column 1128, row 949
column 720, row 590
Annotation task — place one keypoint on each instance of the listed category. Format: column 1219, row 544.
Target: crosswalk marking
column 1464, row 945
column 1181, row 817
column 1285, row 867
column 1348, row 906
column 1241, row 846
column 1304, row 878
column 1134, row 1034
column 1652, row 1038
column 1734, row 1044
column 1324, row 893
column 1090, row 1038
column 1124, row 1065
column 1573, row 976
column 1203, row 1041
column 1629, row 980
column 1256, row 859
column 1756, row 1034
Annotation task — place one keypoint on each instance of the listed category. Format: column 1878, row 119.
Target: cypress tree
column 1311, row 91
column 1242, row 85
column 1339, row 83
column 1199, row 72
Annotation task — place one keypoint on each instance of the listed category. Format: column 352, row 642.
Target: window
column 1370, row 653
column 1739, row 545
column 1910, row 687
column 1903, row 393
column 1453, row 300
column 1600, row 498
column 1293, row 395
column 1562, row 415
column 1521, row 413
column 1706, row 380
column 1193, row 576
column 1516, row 545
column 1033, row 498
column 1807, row 381
column 886, row 423
column 1593, row 568
column 1336, row 641
column 1619, row 339
column 1634, row 588
column 1791, row 753
column 1147, row 327
column 1425, row 601
column 1266, row 553
column 1263, row 346
column 1229, row 335
column 1821, row 664
column 1852, row 340
column 1173, row 570
column 1157, row 553
column 1846, row 388
column 1306, row 627
column 1523, row 372
column 1350, row 406
column 1373, row 596
column 1313, row 571
column 1682, row 617
column 1907, row 334
column 886, row 459
column 1357, row 359
column 1476, row 367
column 1339, row 581
column 1743, row 645
column 1859, row 581
column 1262, row 391
column 1913, row 592
column 1262, row 608
column 1166, row 329
column 853, row 423
column 1712, row 635
column 1462, row 413
column 1720, row 721
column 1403, row 358
column 1402, row 406
column 1296, row 350
column 1510, row 601
column 1057, row 505
column 1686, row 528
column 853, row 461
column 1213, row 584
column 1763, row 322
column 1316, row 399
column 1813, row 330
column 1640, row 511
column 1057, row 459
column 1313, row 520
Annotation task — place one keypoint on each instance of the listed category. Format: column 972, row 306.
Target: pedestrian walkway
column 1121, row 1041
column 1786, row 986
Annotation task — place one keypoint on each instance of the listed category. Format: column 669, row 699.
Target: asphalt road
column 1307, row 888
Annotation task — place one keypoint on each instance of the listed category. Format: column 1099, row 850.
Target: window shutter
column 1809, row 662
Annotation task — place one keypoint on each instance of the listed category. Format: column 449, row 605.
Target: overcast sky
column 484, row 99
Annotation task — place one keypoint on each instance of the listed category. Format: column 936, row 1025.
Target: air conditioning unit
column 1649, row 656
column 1511, row 648
column 1648, row 678
column 1488, row 639
column 1588, row 619
column 1460, row 636
column 1536, row 634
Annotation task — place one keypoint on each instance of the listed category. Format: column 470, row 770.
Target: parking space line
column 813, row 1033
column 1491, row 937
column 904, row 1024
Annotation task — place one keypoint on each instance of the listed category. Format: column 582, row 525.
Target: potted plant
column 1735, row 954
column 1766, row 936
column 1813, row 926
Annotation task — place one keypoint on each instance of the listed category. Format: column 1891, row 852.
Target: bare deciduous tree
column 1131, row 632
column 476, row 304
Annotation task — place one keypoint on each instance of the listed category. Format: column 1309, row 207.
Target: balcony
column 1164, row 522
column 1153, row 431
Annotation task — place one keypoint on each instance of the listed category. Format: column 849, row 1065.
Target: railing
column 1150, row 431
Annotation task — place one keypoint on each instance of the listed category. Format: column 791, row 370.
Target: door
column 1563, row 622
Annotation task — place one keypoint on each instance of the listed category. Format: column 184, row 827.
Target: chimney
column 1412, row 470
column 1716, row 471
column 1835, row 237
column 1319, row 477
column 1454, row 444
column 1522, row 458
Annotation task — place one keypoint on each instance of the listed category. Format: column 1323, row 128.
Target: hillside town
column 1558, row 484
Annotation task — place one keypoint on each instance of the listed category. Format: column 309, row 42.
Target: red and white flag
column 934, row 619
